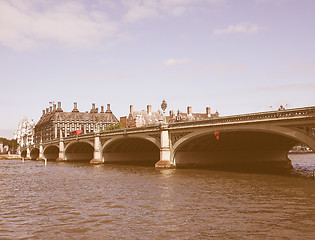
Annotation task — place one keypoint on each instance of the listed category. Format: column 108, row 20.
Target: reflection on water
column 82, row 201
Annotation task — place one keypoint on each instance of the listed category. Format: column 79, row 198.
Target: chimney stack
column 47, row 110
column 59, row 109
column 50, row 109
column 54, row 106
column 171, row 113
column 108, row 109
column 43, row 112
column 149, row 108
column 75, row 107
column 102, row 109
column 189, row 110
column 96, row 110
column 93, row 110
column 131, row 109
column 208, row 111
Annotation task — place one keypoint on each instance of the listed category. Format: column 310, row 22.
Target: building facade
column 147, row 117
column 143, row 117
column 54, row 121
column 24, row 135
column 190, row 116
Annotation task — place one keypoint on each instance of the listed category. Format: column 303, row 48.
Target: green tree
column 114, row 126
column 11, row 143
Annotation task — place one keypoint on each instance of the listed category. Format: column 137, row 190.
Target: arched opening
column 51, row 153
column 79, row 151
column 23, row 154
column 236, row 150
column 302, row 159
column 300, row 149
column 34, row 153
column 132, row 151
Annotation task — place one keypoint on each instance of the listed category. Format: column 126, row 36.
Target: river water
column 82, row 201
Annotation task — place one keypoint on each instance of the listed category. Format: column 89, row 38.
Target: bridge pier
column 61, row 157
column 97, row 150
column 41, row 151
column 28, row 153
column 165, row 150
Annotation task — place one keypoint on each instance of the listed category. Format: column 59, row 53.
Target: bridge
column 263, row 138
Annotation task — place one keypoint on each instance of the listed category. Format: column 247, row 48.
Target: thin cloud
column 297, row 86
column 25, row 25
column 277, row 2
column 199, row 70
column 238, row 28
column 294, row 69
column 137, row 10
column 102, row 76
column 302, row 66
column 176, row 61
column 30, row 24
column 227, row 67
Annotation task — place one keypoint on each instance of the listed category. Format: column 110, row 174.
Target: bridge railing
column 289, row 113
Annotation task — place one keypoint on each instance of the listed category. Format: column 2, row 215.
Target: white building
column 25, row 133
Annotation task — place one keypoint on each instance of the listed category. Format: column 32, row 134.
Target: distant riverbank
column 10, row 157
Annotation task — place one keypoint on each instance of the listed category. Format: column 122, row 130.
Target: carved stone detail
column 176, row 136
column 309, row 130
column 156, row 136
column 104, row 140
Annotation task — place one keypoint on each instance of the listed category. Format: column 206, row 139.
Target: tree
column 114, row 126
column 11, row 143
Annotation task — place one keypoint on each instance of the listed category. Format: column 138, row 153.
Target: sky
column 235, row 56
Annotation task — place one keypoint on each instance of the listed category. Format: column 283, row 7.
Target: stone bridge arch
column 51, row 152
column 265, row 143
column 34, row 153
column 154, row 140
column 23, row 153
column 295, row 134
column 81, row 150
column 139, row 150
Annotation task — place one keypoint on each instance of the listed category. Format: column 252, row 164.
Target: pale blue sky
column 236, row 56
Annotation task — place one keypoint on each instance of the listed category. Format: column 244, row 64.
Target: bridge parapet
column 262, row 116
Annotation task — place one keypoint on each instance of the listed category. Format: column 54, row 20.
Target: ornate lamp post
column 164, row 106
column 165, row 151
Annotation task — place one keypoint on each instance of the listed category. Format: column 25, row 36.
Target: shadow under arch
column 23, row 154
column 34, row 153
column 79, row 151
column 235, row 149
column 51, row 153
column 131, row 151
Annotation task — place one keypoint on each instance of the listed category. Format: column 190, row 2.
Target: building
column 54, row 120
column 143, row 117
column 147, row 117
column 24, row 135
column 190, row 116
